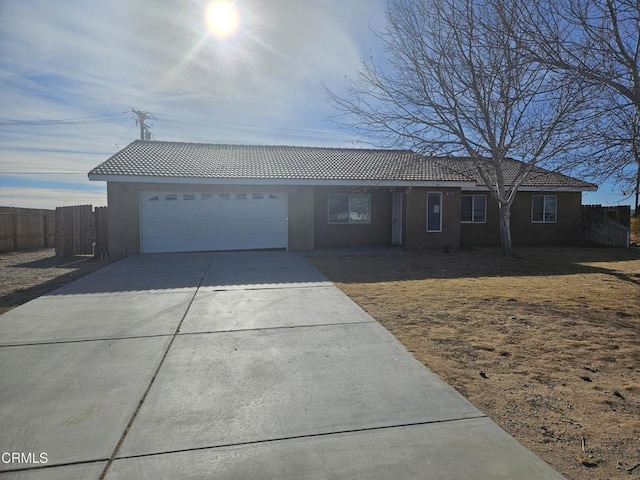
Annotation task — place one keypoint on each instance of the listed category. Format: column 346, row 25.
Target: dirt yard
column 546, row 344
column 30, row 274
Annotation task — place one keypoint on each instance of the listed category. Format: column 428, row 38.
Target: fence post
column 101, row 232
column 14, row 229
column 58, row 229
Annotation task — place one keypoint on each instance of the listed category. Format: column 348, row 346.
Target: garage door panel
column 213, row 242
column 247, row 225
column 178, row 221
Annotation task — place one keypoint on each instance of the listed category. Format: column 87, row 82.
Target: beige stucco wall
column 566, row 230
column 124, row 219
column 124, row 212
column 416, row 235
column 301, row 228
column 309, row 229
column 376, row 233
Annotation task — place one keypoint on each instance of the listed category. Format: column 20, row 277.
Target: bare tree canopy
column 454, row 82
column 611, row 149
column 598, row 41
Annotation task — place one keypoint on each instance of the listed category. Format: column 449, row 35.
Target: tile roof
column 164, row 160
column 537, row 177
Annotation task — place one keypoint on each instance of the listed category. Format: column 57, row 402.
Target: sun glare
column 221, row 17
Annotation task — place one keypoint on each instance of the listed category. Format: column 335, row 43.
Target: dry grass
column 555, row 332
column 27, row 275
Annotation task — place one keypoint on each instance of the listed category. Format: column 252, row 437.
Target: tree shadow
column 480, row 262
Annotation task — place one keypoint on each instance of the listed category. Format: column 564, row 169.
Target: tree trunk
column 636, row 212
column 505, row 229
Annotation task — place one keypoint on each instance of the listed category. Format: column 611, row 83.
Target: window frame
column 439, row 194
column 544, row 208
column 349, row 220
column 473, row 210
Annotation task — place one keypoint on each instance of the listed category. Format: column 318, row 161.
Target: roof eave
column 544, row 188
column 280, row 181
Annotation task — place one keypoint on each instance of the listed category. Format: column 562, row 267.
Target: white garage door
column 192, row 222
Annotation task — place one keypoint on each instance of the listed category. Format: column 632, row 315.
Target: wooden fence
column 26, row 228
column 81, row 231
column 101, row 229
column 606, row 225
column 620, row 214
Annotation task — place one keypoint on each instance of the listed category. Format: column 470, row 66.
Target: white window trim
column 544, row 201
column 440, row 226
column 349, row 222
column 473, row 220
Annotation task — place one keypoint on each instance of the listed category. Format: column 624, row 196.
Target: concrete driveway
column 229, row 366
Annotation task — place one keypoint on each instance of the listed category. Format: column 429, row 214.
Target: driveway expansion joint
column 280, row 327
column 300, row 437
column 52, row 465
column 114, row 454
column 264, row 286
column 83, row 340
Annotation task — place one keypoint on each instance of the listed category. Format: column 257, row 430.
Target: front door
column 396, row 219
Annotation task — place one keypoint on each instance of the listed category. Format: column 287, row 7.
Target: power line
column 143, row 117
column 248, row 124
column 66, row 121
column 116, row 146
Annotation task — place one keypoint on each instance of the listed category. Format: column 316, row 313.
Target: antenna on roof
column 145, row 134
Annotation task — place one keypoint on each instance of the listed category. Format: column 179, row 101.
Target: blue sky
column 71, row 71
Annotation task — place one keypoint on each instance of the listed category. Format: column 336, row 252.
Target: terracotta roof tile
column 216, row 161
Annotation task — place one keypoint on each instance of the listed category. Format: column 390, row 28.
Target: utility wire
column 126, row 117
column 66, row 121
column 245, row 124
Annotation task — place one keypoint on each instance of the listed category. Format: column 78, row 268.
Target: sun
column 221, row 18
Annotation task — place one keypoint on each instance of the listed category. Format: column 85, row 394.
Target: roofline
column 468, row 186
column 549, row 188
column 276, row 145
column 281, row 181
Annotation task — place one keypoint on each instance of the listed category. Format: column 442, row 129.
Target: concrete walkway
column 229, row 366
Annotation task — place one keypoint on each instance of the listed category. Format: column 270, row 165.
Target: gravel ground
column 29, row 274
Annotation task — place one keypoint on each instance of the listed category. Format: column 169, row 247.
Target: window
column 257, row 196
column 349, row 208
column 544, row 208
column 473, row 208
column 434, row 211
column 172, row 197
column 189, row 196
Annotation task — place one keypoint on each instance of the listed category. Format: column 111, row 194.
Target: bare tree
column 599, row 42
column 453, row 82
column 612, row 146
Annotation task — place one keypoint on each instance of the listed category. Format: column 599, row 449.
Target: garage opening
column 205, row 221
